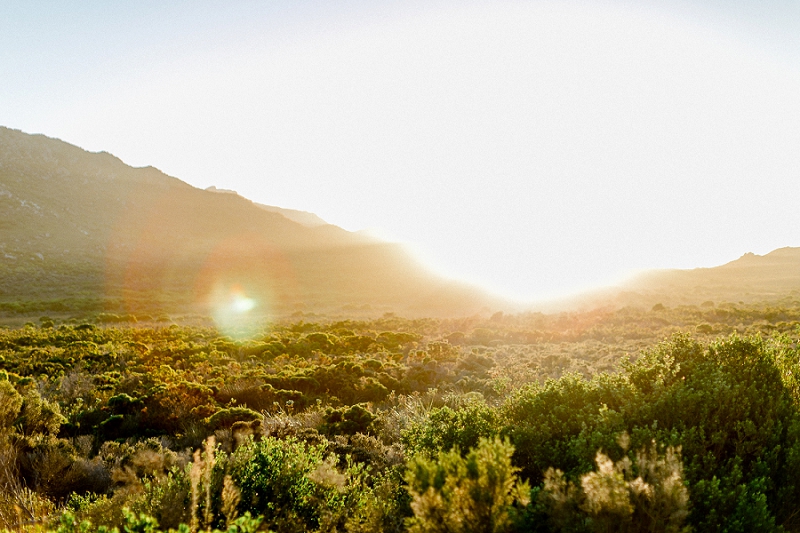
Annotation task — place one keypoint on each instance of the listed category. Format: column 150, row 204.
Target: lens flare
column 242, row 304
column 235, row 312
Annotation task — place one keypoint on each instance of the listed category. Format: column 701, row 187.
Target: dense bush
column 728, row 405
column 273, row 477
column 446, row 428
column 455, row 494
column 646, row 495
column 321, row 426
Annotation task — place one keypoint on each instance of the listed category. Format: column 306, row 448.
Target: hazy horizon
column 534, row 149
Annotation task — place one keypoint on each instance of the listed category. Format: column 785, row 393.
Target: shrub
column 354, row 419
column 226, row 418
column 10, row 404
column 730, row 408
column 454, row 494
column 39, row 416
column 647, row 495
column 445, row 428
column 272, row 476
column 563, row 422
column 383, row 506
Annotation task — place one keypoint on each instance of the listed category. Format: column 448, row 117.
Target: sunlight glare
column 234, row 312
column 536, row 148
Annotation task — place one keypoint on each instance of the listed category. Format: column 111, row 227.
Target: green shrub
column 454, row 494
column 39, row 416
column 384, row 505
column 10, row 404
column 226, row 418
column 272, row 476
column 647, row 495
column 729, row 408
column 446, row 428
column 563, row 422
column 354, row 419
column 124, row 404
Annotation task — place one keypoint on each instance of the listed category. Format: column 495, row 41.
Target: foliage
column 273, row 479
column 316, row 424
column 354, row 419
column 446, row 428
column 474, row 493
column 647, row 495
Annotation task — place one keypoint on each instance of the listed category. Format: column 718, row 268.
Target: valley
column 178, row 359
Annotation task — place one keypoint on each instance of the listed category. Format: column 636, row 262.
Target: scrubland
column 658, row 419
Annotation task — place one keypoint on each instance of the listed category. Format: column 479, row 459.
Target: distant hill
column 301, row 217
column 83, row 231
column 752, row 278
column 305, row 218
column 79, row 227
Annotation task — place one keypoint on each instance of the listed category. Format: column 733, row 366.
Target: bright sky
column 537, row 148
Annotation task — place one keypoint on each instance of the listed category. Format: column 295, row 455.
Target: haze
column 534, row 148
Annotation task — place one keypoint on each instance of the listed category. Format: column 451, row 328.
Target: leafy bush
column 563, row 422
column 272, row 476
column 354, row 419
column 647, row 495
column 446, row 428
column 225, row 418
column 453, row 494
column 10, row 404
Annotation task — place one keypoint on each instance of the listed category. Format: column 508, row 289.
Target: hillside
column 750, row 278
column 84, row 229
column 773, row 277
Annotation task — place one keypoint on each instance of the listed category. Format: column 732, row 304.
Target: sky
column 535, row 148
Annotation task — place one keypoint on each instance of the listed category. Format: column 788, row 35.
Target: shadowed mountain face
column 76, row 225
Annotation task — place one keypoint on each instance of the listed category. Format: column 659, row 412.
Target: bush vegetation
column 627, row 420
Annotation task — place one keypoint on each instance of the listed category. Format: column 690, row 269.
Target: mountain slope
column 751, row 278
column 78, row 225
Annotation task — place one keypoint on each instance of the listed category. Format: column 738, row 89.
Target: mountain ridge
column 80, row 224
column 751, row 278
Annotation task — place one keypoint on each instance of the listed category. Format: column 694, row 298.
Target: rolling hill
column 773, row 277
column 84, row 230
